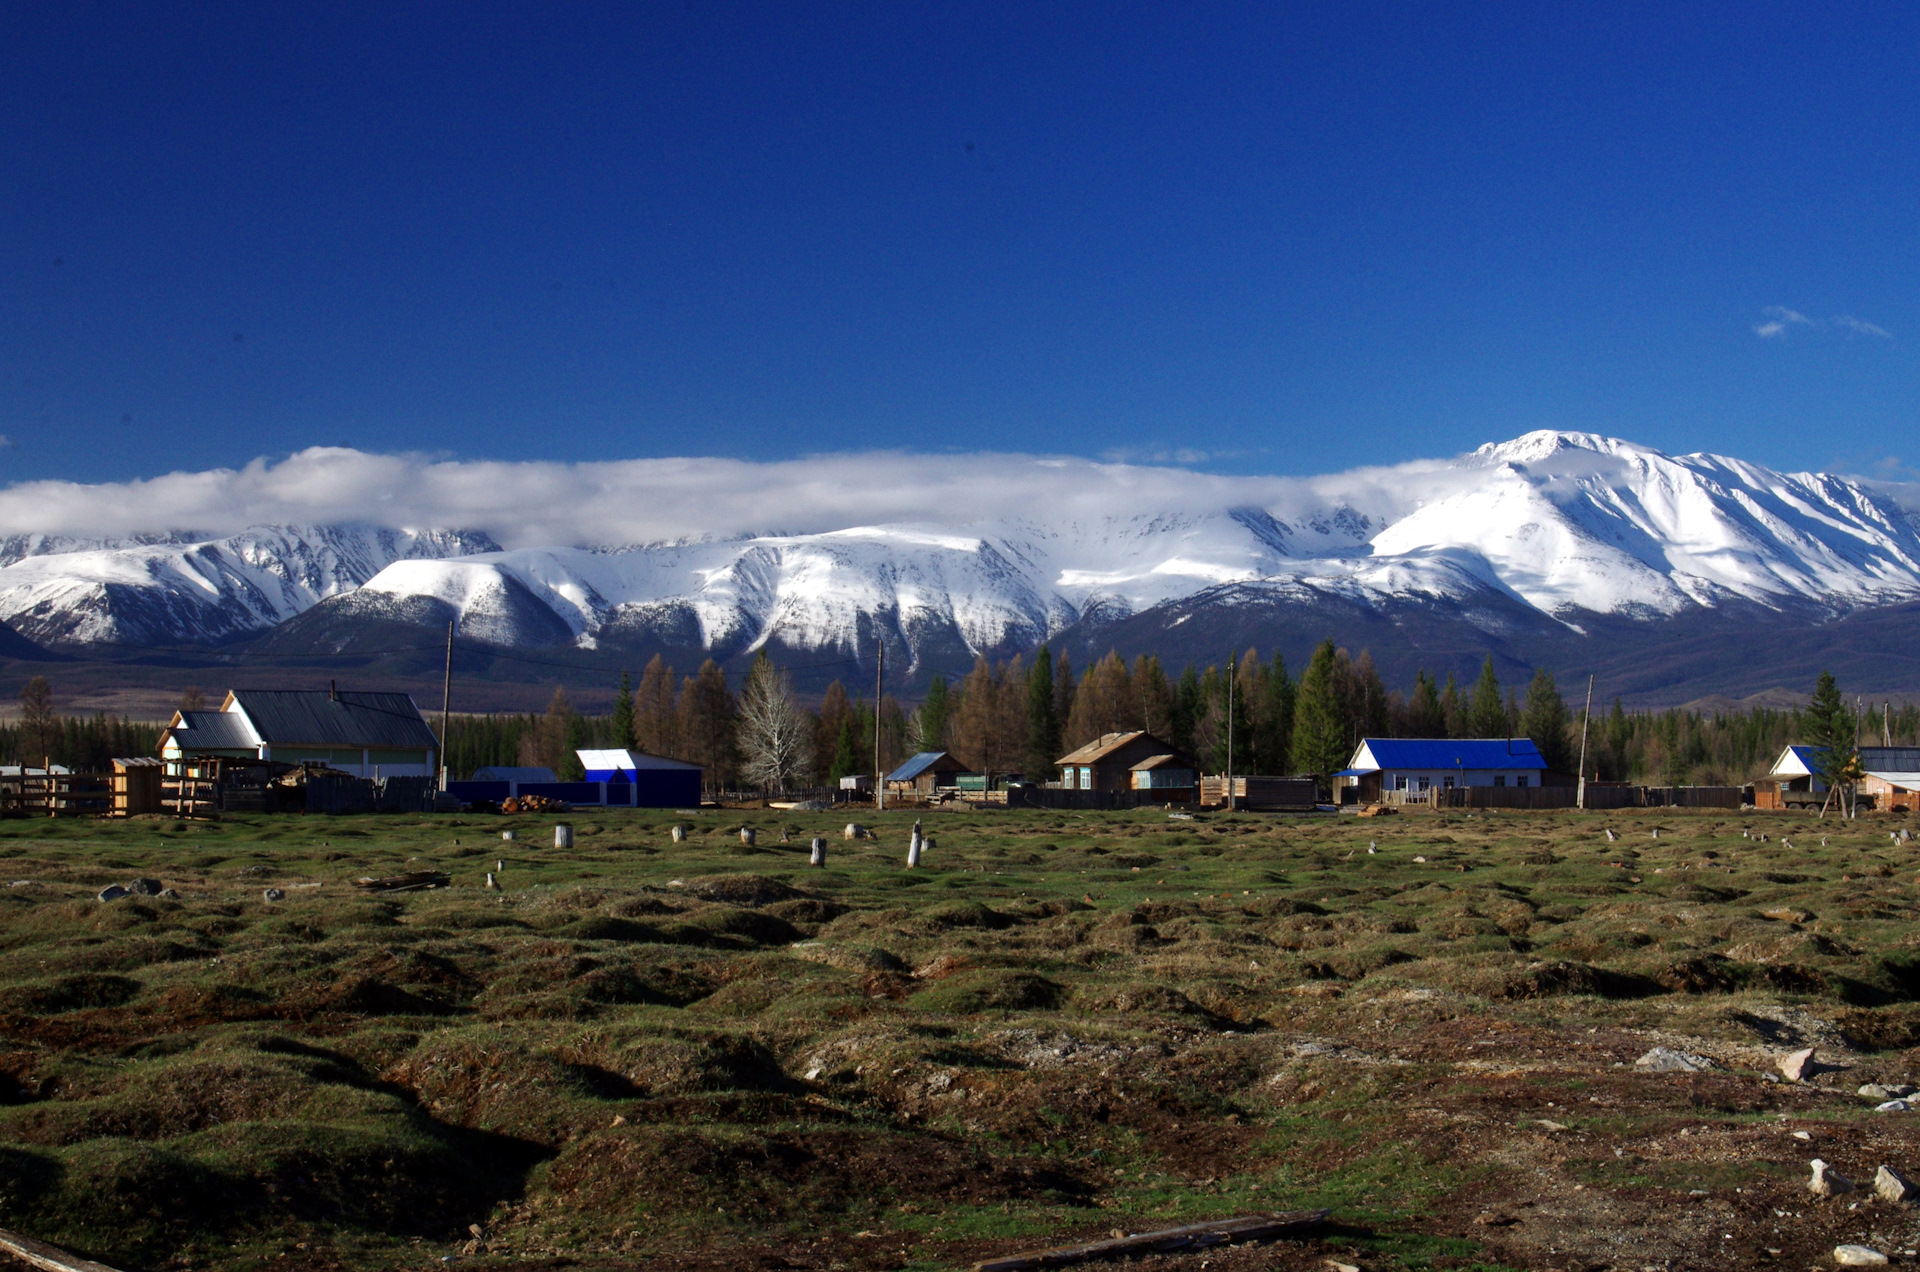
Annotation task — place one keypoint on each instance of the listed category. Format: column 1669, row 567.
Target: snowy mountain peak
column 1565, row 524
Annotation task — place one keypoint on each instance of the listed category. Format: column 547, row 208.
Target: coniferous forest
column 1019, row 716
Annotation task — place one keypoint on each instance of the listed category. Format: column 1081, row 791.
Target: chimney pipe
column 333, row 691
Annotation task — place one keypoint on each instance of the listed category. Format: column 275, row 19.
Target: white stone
column 1858, row 1256
column 1797, row 1066
column 1826, row 1181
column 1667, row 1060
column 1890, row 1185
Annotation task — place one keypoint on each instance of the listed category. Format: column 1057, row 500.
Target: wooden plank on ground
column 42, row 1255
column 1195, row 1236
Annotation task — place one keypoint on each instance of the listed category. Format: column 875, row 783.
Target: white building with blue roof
column 1413, row 765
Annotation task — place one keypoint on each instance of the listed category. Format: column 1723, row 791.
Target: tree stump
column 563, row 836
column 818, row 855
column 747, row 835
column 679, row 834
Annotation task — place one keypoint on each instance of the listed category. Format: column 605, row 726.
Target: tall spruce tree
column 1486, row 713
column 1545, row 720
column 1425, row 718
column 1453, row 710
column 1829, row 725
column 1043, row 720
column 623, row 733
column 1187, row 705
column 1319, row 731
column 1273, row 718
column 935, row 714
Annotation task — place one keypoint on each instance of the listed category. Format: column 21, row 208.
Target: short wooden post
column 563, row 836
column 818, row 856
column 747, row 835
column 679, row 834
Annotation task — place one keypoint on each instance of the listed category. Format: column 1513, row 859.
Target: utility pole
column 1232, row 668
column 879, row 774
column 1586, row 715
column 1886, row 723
column 446, row 705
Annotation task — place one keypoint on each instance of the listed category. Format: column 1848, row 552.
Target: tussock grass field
column 707, row 1055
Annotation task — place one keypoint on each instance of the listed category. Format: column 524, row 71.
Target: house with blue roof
column 1413, row 765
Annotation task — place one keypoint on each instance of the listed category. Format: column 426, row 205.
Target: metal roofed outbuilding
column 635, row 779
column 926, row 772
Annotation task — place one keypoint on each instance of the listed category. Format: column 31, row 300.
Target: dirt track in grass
column 649, row 1055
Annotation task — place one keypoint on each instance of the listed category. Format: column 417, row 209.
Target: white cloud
column 1860, row 328
column 1779, row 319
column 622, row 501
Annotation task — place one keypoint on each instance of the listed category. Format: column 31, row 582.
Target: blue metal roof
column 1455, row 753
column 916, row 766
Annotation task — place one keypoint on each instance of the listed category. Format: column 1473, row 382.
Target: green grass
column 1060, row 1024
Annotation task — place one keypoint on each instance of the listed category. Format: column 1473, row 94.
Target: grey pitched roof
column 213, row 731
column 315, row 717
column 918, row 764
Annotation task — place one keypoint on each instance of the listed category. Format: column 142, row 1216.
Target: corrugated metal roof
column 629, row 761
column 213, row 731
column 315, row 717
column 1160, row 761
column 919, row 764
column 1908, row 779
column 1891, row 759
column 1094, row 751
column 1451, row 753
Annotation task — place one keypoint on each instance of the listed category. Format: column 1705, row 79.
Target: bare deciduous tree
column 776, row 735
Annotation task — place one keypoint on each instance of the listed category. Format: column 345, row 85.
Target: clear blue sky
column 1291, row 237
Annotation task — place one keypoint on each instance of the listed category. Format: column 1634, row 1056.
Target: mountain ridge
column 1553, row 539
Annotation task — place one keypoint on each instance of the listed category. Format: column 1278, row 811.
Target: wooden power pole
column 1586, row 716
column 879, row 774
column 446, row 705
column 1231, row 668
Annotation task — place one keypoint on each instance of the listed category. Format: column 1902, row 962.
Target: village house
column 365, row 734
column 1135, row 761
column 1413, row 765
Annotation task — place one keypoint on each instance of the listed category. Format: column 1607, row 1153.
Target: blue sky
column 1253, row 238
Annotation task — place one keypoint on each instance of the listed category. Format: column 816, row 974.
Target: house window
column 1520, row 780
column 1447, row 782
column 1400, row 783
column 1086, row 779
column 1425, row 782
column 1499, row 779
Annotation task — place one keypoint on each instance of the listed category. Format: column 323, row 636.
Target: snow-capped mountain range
column 1566, row 527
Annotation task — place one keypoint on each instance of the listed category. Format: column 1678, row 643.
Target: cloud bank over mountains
column 527, row 504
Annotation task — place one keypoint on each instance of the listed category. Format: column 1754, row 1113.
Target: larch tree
column 39, row 727
column 706, row 716
column 656, row 716
column 774, row 734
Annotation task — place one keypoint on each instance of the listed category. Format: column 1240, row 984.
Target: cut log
column 1197, row 1236
column 41, row 1255
column 415, row 881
